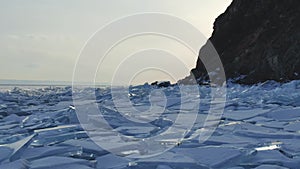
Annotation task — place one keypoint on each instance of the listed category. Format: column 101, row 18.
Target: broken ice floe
column 259, row 129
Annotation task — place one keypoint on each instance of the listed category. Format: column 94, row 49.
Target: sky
column 42, row 39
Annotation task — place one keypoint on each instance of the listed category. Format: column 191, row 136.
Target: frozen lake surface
column 260, row 128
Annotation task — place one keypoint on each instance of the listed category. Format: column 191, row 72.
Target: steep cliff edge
column 258, row 40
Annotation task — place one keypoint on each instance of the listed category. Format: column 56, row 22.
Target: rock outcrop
column 257, row 40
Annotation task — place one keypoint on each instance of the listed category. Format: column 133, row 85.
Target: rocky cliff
column 258, row 40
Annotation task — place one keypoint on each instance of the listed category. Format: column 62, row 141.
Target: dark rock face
column 259, row 39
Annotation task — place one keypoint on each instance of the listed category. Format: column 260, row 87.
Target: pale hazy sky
column 41, row 39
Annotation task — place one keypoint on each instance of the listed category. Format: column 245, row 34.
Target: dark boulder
column 161, row 84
